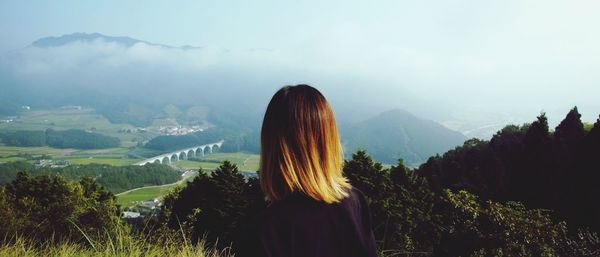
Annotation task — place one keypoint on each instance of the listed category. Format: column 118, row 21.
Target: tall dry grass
column 119, row 242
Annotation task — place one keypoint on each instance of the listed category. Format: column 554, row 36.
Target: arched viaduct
column 183, row 154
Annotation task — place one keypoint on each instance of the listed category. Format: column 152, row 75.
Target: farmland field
column 130, row 137
column 113, row 156
column 101, row 160
column 144, row 194
column 75, row 118
column 244, row 161
column 131, row 198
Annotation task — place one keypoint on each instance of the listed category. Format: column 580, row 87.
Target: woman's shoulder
column 299, row 202
column 356, row 193
column 356, row 197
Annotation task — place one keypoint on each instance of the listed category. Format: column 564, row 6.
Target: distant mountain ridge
column 91, row 37
column 398, row 134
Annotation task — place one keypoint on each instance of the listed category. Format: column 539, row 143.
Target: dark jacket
column 299, row 226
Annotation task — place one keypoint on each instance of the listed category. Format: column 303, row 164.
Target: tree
column 370, row 178
column 475, row 228
column 412, row 222
column 584, row 182
column 530, row 164
column 226, row 207
column 570, row 130
column 51, row 208
column 211, row 206
column 179, row 204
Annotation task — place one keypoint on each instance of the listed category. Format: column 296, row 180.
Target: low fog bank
column 103, row 71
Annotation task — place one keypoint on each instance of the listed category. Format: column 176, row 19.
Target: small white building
column 153, row 204
column 131, row 215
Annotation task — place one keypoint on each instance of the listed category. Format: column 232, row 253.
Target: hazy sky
column 537, row 55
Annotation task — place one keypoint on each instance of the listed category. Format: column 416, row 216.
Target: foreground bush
column 47, row 215
column 50, row 208
column 411, row 219
column 213, row 205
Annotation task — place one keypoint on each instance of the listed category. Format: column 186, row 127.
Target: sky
column 516, row 56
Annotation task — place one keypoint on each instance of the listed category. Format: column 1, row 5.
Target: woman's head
column 300, row 147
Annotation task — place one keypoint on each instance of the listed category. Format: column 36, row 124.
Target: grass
column 113, row 156
column 109, row 161
column 13, row 150
column 196, row 165
column 588, row 126
column 130, row 248
column 62, row 119
column 120, row 242
column 11, row 159
column 144, row 194
column 131, row 198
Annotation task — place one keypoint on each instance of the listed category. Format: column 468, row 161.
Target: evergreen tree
column 226, row 205
column 566, row 175
column 529, row 164
column 370, row 178
column 212, row 206
column 570, row 131
column 180, row 204
column 584, row 183
column 412, row 222
column 537, row 168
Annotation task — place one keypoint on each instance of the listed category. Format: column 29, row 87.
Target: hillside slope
column 398, row 134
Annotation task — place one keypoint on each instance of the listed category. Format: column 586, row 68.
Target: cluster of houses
column 143, row 209
column 134, row 130
column 179, row 130
column 51, row 163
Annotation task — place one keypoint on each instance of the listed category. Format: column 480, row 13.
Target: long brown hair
column 300, row 147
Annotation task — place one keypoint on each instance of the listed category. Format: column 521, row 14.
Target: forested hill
column 115, row 179
column 556, row 170
column 237, row 140
column 72, row 138
column 399, row 134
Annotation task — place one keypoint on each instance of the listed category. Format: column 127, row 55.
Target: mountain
column 87, row 69
column 129, row 80
column 398, row 134
column 92, row 37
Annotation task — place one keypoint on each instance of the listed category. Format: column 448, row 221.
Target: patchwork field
column 126, row 154
column 113, row 156
column 75, row 118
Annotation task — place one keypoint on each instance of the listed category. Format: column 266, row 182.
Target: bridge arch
column 191, row 153
column 184, row 154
